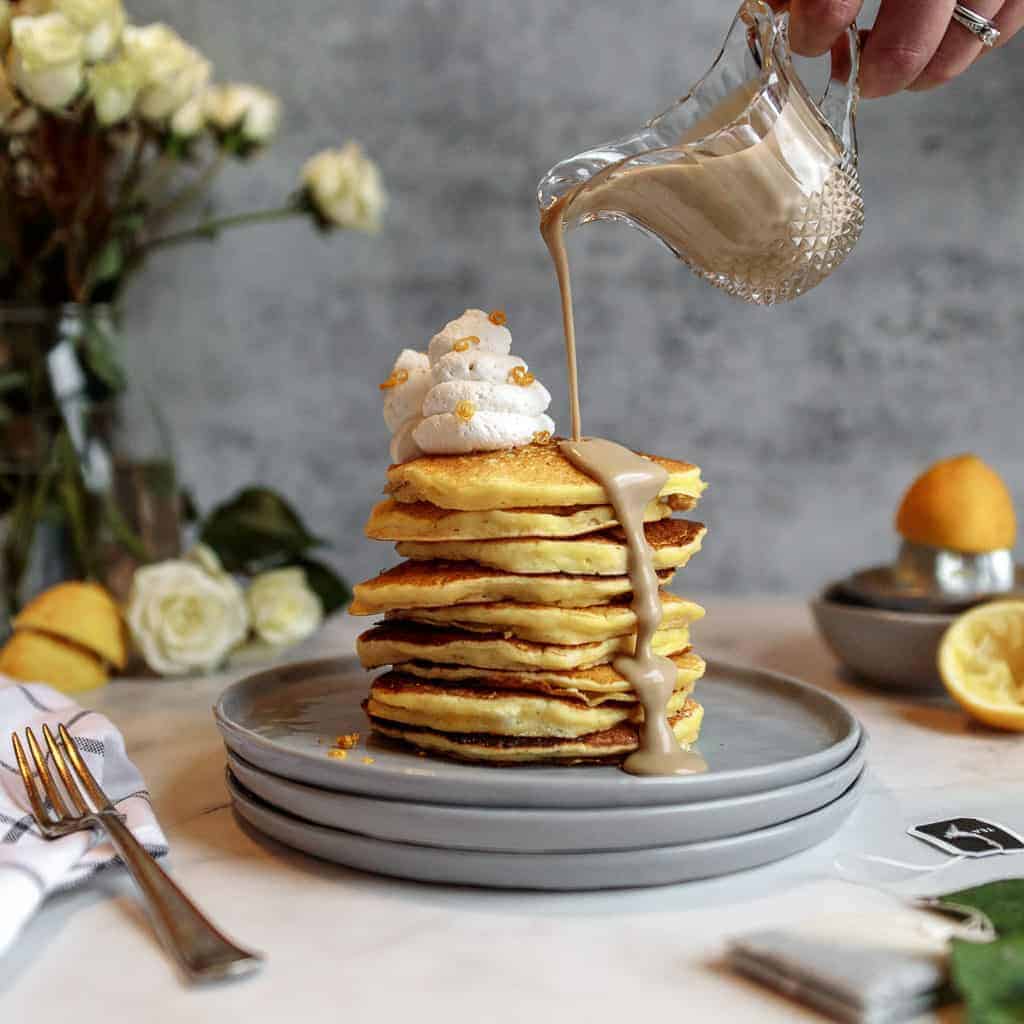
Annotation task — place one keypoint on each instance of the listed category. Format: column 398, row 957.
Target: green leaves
column 99, row 348
column 108, row 264
column 333, row 591
column 990, row 976
column 1001, row 902
column 258, row 530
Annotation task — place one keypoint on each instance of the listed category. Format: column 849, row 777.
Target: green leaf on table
column 255, row 530
column 1001, row 902
column 990, row 977
column 332, row 589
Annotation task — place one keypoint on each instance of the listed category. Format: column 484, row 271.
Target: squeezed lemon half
column 981, row 661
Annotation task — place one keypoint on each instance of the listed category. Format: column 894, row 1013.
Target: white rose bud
column 207, row 559
column 189, row 119
column 46, row 59
column 184, row 619
column 283, row 609
column 113, row 89
column 172, row 71
column 100, row 21
column 248, row 109
column 344, row 187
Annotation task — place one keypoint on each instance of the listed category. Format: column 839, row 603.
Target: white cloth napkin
column 32, row 867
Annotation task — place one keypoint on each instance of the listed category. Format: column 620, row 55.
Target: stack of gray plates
column 785, row 770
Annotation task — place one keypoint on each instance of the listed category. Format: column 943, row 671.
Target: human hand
column 914, row 44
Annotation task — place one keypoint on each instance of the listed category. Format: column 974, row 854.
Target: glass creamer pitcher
column 746, row 178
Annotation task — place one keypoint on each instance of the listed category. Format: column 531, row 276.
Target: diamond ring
column 977, row 25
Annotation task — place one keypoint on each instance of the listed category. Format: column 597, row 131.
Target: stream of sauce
column 631, row 483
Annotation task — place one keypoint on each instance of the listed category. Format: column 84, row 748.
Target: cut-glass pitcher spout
column 746, row 178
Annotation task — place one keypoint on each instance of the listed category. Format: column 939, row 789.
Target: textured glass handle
column 839, row 101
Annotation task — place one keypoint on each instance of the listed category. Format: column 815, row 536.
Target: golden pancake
column 597, row 747
column 537, row 475
column 418, row 520
column 392, row 643
column 592, row 685
column 673, row 542
column 431, row 584
column 544, row 624
column 409, row 701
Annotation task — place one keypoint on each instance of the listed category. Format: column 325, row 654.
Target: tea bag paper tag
column 968, row 837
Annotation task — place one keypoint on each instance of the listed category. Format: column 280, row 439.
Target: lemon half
column 981, row 661
column 962, row 504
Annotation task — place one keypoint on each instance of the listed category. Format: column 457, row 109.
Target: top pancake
column 534, row 476
column 419, row 520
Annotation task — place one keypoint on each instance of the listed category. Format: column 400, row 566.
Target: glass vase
column 88, row 487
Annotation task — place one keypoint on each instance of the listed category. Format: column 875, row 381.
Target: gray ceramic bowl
column 891, row 649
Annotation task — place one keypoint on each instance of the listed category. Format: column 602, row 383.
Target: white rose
column 46, row 58
column 251, row 110
column 189, row 119
column 283, row 608
column 344, row 187
column 100, row 21
column 113, row 88
column 172, row 71
column 185, row 619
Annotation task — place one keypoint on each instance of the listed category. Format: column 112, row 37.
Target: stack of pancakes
column 501, row 627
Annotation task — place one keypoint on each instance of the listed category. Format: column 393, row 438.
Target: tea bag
column 868, row 968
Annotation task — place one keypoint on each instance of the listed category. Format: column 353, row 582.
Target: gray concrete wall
column 808, row 419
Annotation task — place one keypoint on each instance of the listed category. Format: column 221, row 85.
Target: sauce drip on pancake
column 631, row 482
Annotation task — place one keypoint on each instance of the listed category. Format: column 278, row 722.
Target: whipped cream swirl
column 467, row 393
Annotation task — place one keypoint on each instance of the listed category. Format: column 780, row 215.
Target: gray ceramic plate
column 661, row 865
column 539, row 830
column 762, row 731
column 891, row 649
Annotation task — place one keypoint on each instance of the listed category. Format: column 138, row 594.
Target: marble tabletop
column 347, row 946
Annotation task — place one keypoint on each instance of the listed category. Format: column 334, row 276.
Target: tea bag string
column 845, row 866
column 971, row 925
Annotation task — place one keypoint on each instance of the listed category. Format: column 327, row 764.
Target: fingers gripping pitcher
column 746, row 179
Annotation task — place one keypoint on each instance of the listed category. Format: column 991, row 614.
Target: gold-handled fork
column 203, row 953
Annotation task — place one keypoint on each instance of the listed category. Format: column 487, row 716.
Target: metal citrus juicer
column 925, row 578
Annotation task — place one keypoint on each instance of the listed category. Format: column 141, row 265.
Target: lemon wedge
column 981, row 661
column 41, row 658
column 82, row 613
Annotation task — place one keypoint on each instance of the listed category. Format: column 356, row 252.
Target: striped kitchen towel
column 32, row 867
